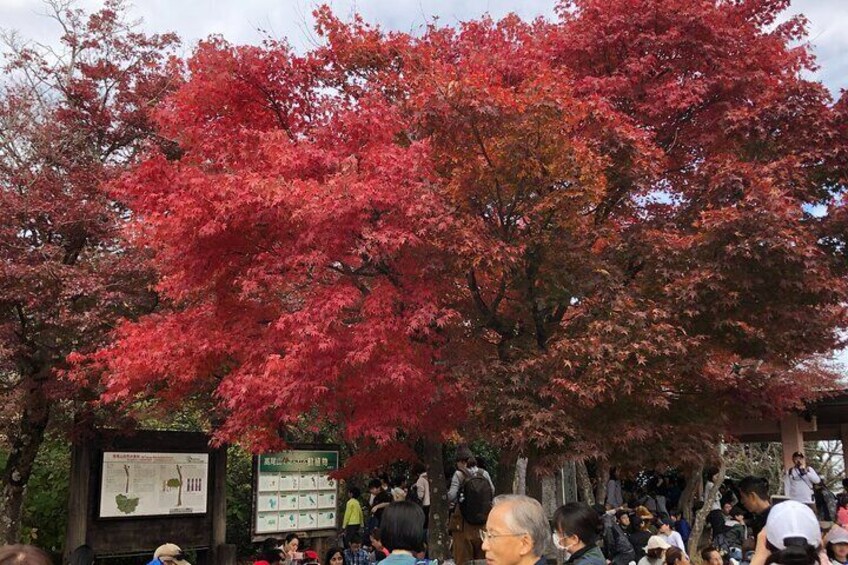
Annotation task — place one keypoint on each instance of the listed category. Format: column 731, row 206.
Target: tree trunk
column 437, row 542
column 180, row 488
column 584, row 484
column 687, row 497
column 506, row 472
column 701, row 517
column 603, row 479
column 24, row 448
column 533, row 479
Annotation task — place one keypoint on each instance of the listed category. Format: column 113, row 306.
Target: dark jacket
column 590, row 555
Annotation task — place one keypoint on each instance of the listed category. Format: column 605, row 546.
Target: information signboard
column 294, row 492
column 136, row 484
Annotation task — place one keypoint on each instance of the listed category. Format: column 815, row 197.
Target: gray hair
column 526, row 515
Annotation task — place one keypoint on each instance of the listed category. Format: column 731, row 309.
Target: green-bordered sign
column 299, row 461
column 294, row 491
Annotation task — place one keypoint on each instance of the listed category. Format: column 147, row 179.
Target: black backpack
column 412, row 495
column 475, row 498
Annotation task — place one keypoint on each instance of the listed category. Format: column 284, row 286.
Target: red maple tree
column 575, row 235
column 69, row 118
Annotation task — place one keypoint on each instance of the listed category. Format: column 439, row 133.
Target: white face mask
column 566, row 549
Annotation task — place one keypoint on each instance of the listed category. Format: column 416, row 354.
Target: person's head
column 355, row 542
column 170, row 553
column 837, row 544
column 334, row 556
column 793, row 534
column 310, row 557
column 623, row 518
column 664, row 527
column 374, row 486
column 517, row 531
column 656, row 547
column 576, row 525
column 711, row 474
column 23, row 555
column 402, row 526
column 711, row 556
column 418, row 468
column 384, row 481
column 376, row 539
column 738, row 514
column 291, row 544
column 675, row 515
column 726, row 507
column 675, row 556
column 83, row 555
column 354, row 492
column 613, row 474
column 842, row 500
column 463, row 457
column 753, row 493
column 797, row 458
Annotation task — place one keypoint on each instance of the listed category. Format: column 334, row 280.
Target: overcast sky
column 239, row 21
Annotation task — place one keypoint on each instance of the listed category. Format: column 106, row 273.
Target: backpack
column 475, row 498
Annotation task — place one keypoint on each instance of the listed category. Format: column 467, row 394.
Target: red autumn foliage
column 579, row 234
column 70, row 119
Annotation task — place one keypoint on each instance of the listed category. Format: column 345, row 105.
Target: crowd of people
column 638, row 524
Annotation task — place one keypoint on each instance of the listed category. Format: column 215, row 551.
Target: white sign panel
column 153, row 484
column 294, row 491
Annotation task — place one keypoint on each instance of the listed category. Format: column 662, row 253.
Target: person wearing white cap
column 655, row 551
column 169, row 554
column 792, row 536
column 837, row 545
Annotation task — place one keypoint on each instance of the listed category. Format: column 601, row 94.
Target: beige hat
column 837, row 535
column 656, row 542
column 170, row 553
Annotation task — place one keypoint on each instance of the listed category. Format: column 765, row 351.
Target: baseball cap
column 837, row 534
column 170, row 553
column 791, row 519
column 656, row 542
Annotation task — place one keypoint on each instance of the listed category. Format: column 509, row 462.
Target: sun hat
column 170, row 553
column 837, row 534
column 656, row 542
column 791, row 519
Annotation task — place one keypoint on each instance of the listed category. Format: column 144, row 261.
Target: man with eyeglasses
column 516, row 532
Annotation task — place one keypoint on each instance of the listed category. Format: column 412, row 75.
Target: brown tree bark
column 437, row 542
column 25, row 444
column 584, row 484
column 603, row 479
column 701, row 517
column 693, row 482
column 505, row 472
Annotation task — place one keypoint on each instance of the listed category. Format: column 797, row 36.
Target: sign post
column 293, row 492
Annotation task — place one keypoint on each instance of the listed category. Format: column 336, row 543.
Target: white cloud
column 239, row 21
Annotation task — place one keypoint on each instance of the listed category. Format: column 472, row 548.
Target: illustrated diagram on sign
column 126, row 503
column 295, row 487
column 150, row 484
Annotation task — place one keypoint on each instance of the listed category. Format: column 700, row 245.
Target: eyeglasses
column 486, row 536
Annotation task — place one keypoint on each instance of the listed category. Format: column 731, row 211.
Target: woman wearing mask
column 576, row 531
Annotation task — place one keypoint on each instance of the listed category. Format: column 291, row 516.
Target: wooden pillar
column 78, row 493
column 843, row 435
column 220, row 555
column 791, row 437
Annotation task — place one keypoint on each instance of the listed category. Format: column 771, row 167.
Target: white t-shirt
column 423, row 487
